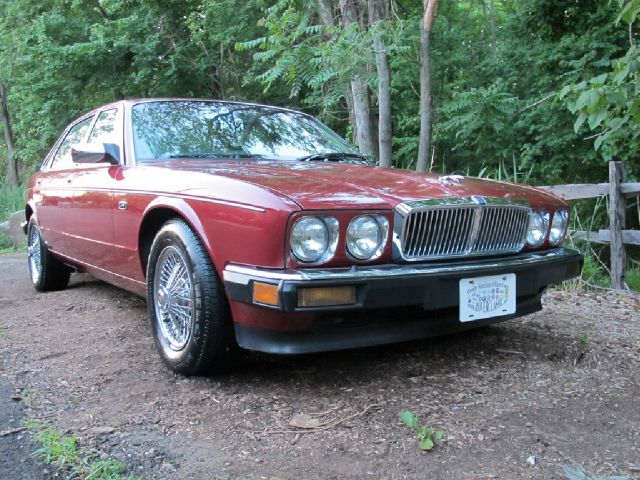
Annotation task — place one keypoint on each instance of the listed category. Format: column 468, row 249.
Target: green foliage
column 609, row 102
column 63, row 451
column 426, row 436
column 11, row 200
column 632, row 277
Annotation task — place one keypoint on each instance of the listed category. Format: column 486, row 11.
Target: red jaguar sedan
column 255, row 226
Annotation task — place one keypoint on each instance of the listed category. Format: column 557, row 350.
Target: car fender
column 184, row 210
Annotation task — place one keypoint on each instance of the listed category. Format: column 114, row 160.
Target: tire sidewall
column 183, row 360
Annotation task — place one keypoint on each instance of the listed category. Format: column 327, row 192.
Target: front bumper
column 428, row 290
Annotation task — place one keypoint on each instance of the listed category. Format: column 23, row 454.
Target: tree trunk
column 492, row 13
column 426, row 107
column 360, row 90
column 325, row 10
column 352, row 114
column 362, row 113
column 378, row 12
column 12, row 161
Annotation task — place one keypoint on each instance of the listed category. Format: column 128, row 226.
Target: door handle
column 38, row 182
column 69, row 180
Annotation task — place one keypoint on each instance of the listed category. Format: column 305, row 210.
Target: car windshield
column 208, row 129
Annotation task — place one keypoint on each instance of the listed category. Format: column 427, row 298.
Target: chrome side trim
column 243, row 275
column 170, row 195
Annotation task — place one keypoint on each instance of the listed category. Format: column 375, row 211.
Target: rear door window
column 62, row 158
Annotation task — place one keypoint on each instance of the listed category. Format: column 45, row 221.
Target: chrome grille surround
column 457, row 227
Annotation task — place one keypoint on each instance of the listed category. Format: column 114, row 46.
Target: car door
column 88, row 220
column 52, row 187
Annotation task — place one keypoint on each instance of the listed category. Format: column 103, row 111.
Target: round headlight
column 558, row 227
column 537, row 228
column 309, row 239
column 366, row 236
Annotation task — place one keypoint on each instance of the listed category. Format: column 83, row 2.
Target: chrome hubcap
column 173, row 298
column 34, row 255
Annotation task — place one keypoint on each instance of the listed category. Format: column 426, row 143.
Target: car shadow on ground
column 484, row 347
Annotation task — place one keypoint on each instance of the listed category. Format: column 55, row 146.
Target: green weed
column 63, row 451
column 427, row 437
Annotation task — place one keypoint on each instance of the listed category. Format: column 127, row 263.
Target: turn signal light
column 266, row 294
column 326, row 296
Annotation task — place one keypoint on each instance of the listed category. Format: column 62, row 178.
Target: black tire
column 188, row 311
column 47, row 272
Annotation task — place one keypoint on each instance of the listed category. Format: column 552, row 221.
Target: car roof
column 135, row 101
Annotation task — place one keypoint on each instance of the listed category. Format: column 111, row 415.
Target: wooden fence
column 616, row 236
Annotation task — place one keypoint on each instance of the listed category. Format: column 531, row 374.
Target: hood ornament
column 448, row 180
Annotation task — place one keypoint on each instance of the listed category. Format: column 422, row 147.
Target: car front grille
column 476, row 226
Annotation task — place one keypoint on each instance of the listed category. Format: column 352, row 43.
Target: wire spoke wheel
column 34, row 253
column 188, row 310
column 173, row 298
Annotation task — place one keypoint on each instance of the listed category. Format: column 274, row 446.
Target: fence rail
column 615, row 236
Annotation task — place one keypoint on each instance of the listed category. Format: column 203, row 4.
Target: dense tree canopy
column 543, row 90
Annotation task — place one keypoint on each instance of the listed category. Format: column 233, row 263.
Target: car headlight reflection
column 538, row 222
column 314, row 239
column 558, row 227
column 366, row 236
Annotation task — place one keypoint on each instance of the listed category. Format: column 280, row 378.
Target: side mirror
column 95, row 153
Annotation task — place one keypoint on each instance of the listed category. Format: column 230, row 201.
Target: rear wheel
column 47, row 272
column 187, row 307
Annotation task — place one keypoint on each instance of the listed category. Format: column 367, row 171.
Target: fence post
column 616, row 224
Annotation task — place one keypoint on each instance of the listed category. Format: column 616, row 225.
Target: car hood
column 324, row 185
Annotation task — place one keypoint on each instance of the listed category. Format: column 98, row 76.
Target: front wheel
column 47, row 272
column 187, row 307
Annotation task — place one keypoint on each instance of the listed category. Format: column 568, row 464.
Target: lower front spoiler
column 368, row 329
column 393, row 302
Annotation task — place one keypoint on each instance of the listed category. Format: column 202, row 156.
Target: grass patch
column 11, row 200
column 6, row 245
column 632, row 277
column 62, row 451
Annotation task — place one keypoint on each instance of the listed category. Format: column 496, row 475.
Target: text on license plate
column 486, row 297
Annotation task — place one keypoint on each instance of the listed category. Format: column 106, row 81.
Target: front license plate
column 486, row 297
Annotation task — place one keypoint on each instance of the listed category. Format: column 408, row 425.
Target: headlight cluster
column 315, row 239
column 539, row 225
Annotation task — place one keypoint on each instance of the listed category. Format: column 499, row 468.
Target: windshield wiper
column 345, row 157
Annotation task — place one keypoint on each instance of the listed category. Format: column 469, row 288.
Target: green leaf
column 426, row 444
column 579, row 121
column 596, row 118
column 564, row 91
column 409, row 419
column 616, row 98
column 437, row 435
column 599, row 80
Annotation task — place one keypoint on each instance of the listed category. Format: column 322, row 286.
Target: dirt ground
column 516, row 401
